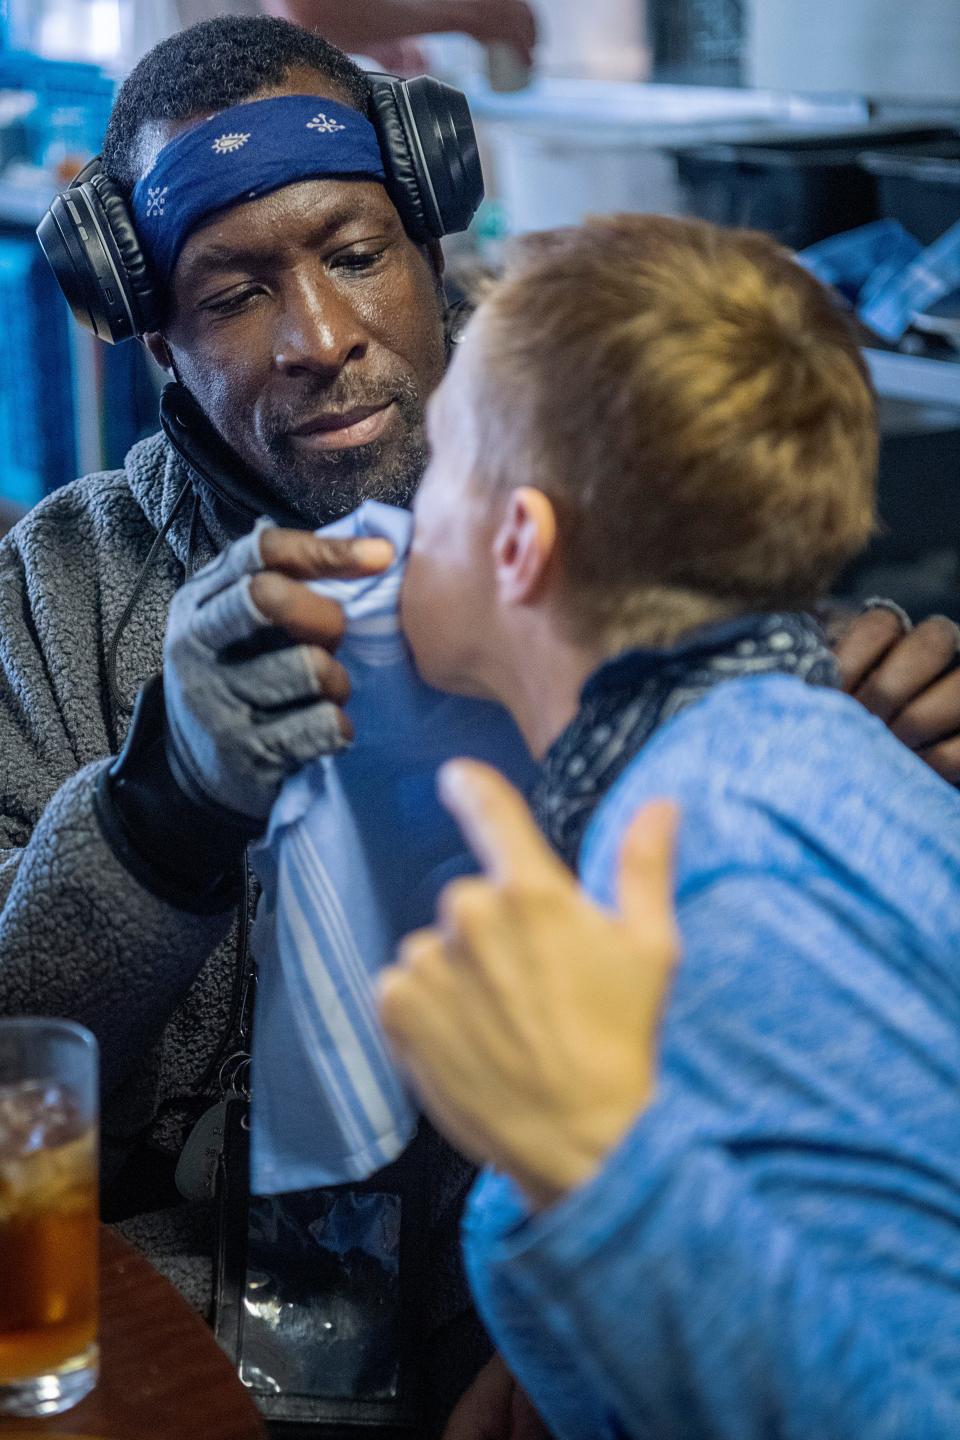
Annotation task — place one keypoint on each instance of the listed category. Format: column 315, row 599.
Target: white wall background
column 881, row 48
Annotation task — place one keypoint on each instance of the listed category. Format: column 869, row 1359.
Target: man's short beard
column 323, row 487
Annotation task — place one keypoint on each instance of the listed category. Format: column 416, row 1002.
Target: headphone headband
column 433, row 177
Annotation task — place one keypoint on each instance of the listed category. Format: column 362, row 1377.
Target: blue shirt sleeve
column 693, row 1313
column 697, row 1286
column 772, row 1251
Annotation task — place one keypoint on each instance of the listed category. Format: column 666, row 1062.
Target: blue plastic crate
column 37, row 448
column 60, row 85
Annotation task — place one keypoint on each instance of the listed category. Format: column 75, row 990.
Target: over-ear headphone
column 433, row 173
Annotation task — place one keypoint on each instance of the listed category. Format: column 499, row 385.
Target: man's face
column 309, row 328
column 448, row 604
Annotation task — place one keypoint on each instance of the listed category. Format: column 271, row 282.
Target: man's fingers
column 421, row 1022
column 865, row 643
column 399, row 57
column 292, row 739
column 302, row 555
column 483, row 1411
column 294, row 608
column 525, row 1423
column 497, row 824
column 945, row 759
column 909, row 667
column 509, row 22
column 291, row 675
column 421, row 949
column 933, row 716
column 465, row 908
column 410, row 990
column 646, row 880
column 396, row 998
column 330, row 675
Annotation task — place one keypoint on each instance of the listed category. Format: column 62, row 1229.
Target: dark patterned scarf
column 629, row 698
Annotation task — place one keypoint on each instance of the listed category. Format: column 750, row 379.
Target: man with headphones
column 266, row 219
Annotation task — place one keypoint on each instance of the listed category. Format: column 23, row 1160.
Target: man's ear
column 159, row 350
column 524, row 546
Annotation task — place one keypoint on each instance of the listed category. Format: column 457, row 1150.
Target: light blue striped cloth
column 357, row 850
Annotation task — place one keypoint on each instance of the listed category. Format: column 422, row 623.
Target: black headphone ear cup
column 91, row 245
column 404, row 173
column 430, row 153
column 447, row 143
column 124, row 236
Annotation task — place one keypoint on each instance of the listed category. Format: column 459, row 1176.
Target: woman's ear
column 524, row 546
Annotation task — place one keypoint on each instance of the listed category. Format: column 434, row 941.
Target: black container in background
column 919, row 185
column 799, row 188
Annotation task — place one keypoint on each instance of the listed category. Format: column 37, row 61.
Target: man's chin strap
column 236, row 496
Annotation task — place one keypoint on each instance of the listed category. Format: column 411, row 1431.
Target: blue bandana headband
column 240, row 154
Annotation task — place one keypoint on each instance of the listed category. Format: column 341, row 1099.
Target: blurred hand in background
column 383, row 28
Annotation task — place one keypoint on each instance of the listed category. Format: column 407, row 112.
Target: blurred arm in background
column 366, row 25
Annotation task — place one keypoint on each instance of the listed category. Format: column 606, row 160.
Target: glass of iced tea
column 48, row 1216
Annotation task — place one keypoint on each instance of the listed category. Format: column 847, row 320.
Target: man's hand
column 910, row 679
column 494, row 1407
column 528, row 1018
column 251, row 688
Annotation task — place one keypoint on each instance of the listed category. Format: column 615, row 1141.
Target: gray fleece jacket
column 79, row 936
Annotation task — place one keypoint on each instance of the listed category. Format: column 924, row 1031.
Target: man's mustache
column 338, row 396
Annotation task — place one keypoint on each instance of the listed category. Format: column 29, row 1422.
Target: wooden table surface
column 162, row 1374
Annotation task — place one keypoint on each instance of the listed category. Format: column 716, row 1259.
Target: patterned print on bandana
column 226, row 144
column 323, row 125
column 629, row 698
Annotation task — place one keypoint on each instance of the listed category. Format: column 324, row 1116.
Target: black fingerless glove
column 177, row 849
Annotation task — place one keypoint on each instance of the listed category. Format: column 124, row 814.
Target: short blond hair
column 696, row 407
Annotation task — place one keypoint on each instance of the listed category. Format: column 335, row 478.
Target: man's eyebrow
column 216, row 257
column 225, row 257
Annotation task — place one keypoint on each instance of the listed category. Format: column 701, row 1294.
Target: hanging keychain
column 197, row 1167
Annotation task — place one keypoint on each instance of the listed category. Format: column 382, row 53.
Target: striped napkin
column 356, row 852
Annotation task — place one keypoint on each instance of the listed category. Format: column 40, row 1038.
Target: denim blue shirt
column 774, row 1249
